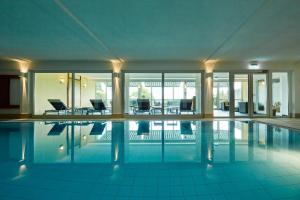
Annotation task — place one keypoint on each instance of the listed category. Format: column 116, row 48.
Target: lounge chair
column 58, row 105
column 186, row 105
column 143, row 128
column 98, row 106
column 98, row 128
column 57, row 129
column 143, row 106
column 186, row 128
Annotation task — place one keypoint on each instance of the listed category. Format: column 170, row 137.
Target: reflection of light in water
column 61, row 147
column 116, row 167
column 22, row 168
column 116, row 153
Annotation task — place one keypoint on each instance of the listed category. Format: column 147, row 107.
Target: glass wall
column 93, row 93
column 143, row 93
column 241, row 95
column 182, row 93
column 52, row 94
column 221, row 94
column 280, row 94
column 260, row 94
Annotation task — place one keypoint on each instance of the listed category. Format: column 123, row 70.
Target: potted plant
column 276, row 108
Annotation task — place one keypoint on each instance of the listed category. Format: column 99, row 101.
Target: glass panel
column 241, row 95
column 182, row 93
column 221, row 94
column 52, row 94
column 280, row 94
column 143, row 93
column 93, row 93
column 259, row 94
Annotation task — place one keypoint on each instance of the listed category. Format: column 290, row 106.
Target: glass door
column 221, row 95
column 260, row 94
column 280, row 94
column 241, row 97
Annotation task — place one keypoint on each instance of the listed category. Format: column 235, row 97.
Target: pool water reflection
column 149, row 160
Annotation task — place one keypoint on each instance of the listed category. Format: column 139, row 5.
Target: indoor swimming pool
column 218, row 159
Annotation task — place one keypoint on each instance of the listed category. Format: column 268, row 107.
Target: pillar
column 118, row 97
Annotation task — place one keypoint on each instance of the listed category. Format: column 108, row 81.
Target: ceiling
column 150, row 30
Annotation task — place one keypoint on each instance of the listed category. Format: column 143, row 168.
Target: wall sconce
column 61, row 80
column 209, row 75
column 23, row 75
column 116, row 75
column 84, row 85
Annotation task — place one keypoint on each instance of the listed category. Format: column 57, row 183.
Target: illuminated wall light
column 61, row 80
column 84, row 85
column 116, row 75
column 117, row 65
column 210, row 65
column 84, row 137
column 254, row 65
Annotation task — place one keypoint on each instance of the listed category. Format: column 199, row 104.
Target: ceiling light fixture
column 254, row 65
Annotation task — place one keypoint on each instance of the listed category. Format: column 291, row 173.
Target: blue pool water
column 148, row 160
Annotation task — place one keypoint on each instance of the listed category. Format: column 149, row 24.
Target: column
column 208, row 95
column 117, row 87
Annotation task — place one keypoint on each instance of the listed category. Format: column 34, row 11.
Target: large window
column 92, row 92
column 143, row 93
column 182, row 93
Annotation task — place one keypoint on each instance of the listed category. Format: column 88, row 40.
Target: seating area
column 97, row 106
column 183, row 106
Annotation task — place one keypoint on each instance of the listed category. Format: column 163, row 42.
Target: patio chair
column 186, row 105
column 143, row 106
column 58, row 105
column 98, row 106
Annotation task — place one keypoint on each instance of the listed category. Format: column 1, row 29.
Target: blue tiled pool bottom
column 148, row 160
